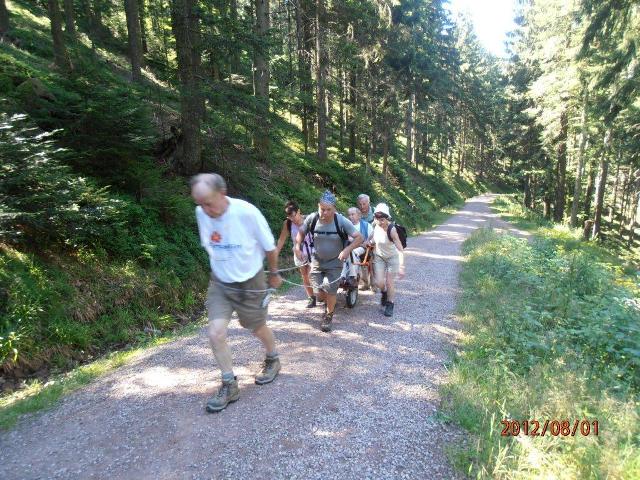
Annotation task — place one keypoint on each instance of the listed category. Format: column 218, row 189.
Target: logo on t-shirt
column 216, row 237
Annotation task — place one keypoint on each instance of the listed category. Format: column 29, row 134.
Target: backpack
column 402, row 233
column 341, row 233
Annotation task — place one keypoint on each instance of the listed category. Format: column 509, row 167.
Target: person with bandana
column 329, row 231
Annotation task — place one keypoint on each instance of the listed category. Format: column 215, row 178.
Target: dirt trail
column 359, row 402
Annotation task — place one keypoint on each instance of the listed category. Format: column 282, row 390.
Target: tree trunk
column 561, row 170
column 69, row 20
column 635, row 212
column 602, row 184
column 304, row 41
column 97, row 29
column 302, row 55
column 186, row 29
column 235, row 56
column 385, row 152
column 527, row 190
column 261, row 79
column 588, row 197
column 614, row 202
column 4, row 19
column 341, row 108
column 61, row 57
column 142, row 8
column 352, row 115
column 135, row 43
column 410, row 130
column 583, row 143
column 626, row 192
column 321, row 55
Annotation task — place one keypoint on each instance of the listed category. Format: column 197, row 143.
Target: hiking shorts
column 318, row 274
column 297, row 262
column 225, row 298
column 382, row 265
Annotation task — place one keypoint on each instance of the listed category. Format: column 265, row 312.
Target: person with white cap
column 329, row 231
column 388, row 260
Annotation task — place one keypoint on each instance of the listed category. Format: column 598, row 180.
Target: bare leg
column 219, row 345
column 380, row 278
column 306, row 281
column 331, row 303
column 322, row 296
column 265, row 335
column 391, row 288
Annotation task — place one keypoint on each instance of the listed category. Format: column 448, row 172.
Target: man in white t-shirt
column 237, row 238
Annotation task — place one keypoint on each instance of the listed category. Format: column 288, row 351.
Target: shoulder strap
column 339, row 230
column 312, row 230
column 391, row 225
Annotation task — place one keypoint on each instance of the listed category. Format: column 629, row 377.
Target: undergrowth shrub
column 553, row 333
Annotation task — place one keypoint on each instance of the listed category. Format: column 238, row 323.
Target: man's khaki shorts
column 317, row 278
column 225, row 298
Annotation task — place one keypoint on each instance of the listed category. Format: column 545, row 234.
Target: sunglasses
column 380, row 215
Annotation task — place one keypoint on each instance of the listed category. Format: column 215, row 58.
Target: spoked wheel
column 352, row 297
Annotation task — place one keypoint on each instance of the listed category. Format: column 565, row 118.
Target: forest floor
column 359, row 402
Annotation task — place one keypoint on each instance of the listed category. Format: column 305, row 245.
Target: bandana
column 328, row 197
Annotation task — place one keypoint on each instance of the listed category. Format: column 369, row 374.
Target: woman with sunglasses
column 388, row 257
column 290, row 228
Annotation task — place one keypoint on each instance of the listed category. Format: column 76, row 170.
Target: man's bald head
column 208, row 190
column 206, row 183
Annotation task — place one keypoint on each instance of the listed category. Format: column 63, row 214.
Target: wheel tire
column 352, row 297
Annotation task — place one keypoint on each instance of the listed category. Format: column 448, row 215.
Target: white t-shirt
column 235, row 241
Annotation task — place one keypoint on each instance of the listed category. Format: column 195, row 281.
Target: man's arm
column 357, row 241
column 272, row 261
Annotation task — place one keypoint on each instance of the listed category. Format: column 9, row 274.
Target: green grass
column 552, row 331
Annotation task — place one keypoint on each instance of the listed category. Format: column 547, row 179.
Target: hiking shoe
column 312, row 302
column 327, row 318
column 383, row 298
column 388, row 309
column 268, row 371
column 228, row 393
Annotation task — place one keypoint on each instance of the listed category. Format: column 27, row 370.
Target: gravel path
column 359, row 402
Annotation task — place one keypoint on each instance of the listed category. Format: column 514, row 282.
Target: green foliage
column 553, row 332
column 42, row 203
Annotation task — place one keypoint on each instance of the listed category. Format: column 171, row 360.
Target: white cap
column 382, row 208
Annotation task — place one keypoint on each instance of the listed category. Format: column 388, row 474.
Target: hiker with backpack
column 237, row 238
column 290, row 227
column 329, row 231
column 390, row 240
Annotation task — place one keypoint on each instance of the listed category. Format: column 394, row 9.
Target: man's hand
column 298, row 252
column 344, row 254
column 275, row 280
